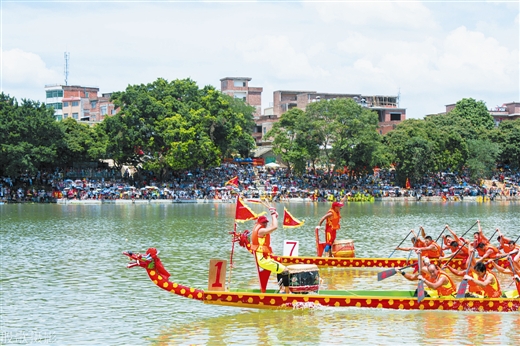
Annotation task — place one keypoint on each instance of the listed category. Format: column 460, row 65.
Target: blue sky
column 433, row 53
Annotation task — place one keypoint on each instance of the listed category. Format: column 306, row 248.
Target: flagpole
column 232, row 244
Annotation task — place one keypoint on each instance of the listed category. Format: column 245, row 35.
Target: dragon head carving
column 148, row 261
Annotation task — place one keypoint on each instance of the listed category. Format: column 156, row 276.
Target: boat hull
column 397, row 300
column 364, row 262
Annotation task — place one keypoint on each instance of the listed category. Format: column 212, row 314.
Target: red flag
column 408, row 183
column 289, row 220
column 244, row 213
column 233, row 181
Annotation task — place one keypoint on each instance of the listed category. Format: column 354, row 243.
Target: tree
column 507, row 136
column 177, row 126
column 474, row 111
column 413, row 153
column 289, row 139
column 82, row 143
column 29, row 136
column 483, row 158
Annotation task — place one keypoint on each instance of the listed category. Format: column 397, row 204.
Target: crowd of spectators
column 254, row 181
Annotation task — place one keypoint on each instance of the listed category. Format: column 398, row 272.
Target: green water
column 64, row 280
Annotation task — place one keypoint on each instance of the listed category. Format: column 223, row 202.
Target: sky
column 430, row 53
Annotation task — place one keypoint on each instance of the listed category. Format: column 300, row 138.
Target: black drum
column 303, row 278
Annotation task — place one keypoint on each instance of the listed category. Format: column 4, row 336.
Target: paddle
column 410, row 252
column 390, row 272
column 420, row 284
column 515, row 277
column 401, row 243
column 436, row 240
column 461, row 292
column 455, row 254
column 503, row 256
column 462, row 236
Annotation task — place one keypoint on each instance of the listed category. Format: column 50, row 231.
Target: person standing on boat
column 333, row 217
column 261, row 245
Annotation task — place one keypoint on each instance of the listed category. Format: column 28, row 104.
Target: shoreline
column 478, row 199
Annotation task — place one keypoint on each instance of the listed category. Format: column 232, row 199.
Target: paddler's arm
column 434, row 285
column 456, row 237
column 423, row 232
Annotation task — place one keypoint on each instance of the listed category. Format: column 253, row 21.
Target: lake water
column 65, row 282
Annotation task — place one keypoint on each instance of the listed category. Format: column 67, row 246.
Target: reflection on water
column 330, row 326
column 63, row 273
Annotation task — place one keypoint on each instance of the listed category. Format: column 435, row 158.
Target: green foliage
column 290, row 140
column 507, row 136
column 483, row 155
column 177, row 126
column 474, row 111
column 29, row 136
column 82, row 143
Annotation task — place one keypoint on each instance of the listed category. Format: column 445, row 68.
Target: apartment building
column 238, row 87
column 78, row 102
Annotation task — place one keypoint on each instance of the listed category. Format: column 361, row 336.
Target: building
column 78, row 102
column 238, row 87
column 387, row 107
column 508, row 111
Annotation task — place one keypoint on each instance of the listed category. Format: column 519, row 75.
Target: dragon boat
column 272, row 299
column 347, row 262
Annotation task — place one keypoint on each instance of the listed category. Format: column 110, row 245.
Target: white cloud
column 26, row 69
column 435, row 53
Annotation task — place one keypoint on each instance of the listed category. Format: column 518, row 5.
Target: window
column 75, row 103
column 395, row 116
column 75, row 116
column 65, row 104
column 54, row 93
column 103, row 110
column 56, row 105
column 93, row 104
column 86, row 94
column 65, row 115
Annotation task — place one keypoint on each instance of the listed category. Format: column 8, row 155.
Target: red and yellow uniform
column 262, row 248
column 332, row 226
column 447, row 289
column 473, row 287
column 493, row 289
column 482, row 250
column 436, row 253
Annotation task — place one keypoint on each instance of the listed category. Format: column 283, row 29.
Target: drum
column 343, row 248
column 303, row 278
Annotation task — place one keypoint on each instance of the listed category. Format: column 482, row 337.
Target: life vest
column 333, row 220
column 482, row 251
column 433, row 253
column 446, row 289
column 493, row 289
column 473, row 287
column 259, row 244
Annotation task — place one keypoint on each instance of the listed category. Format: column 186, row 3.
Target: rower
column 474, row 290
column 486, row 250
column 439, row 282
column 431, row 248
column 485, row 279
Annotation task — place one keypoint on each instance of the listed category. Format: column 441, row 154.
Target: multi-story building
column 387, row 107
column 78, row 102
column 508, row 111
column 238, row 87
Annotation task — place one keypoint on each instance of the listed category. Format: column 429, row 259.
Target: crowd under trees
column 172, row 127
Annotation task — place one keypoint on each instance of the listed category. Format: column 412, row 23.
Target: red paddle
column 420, row 284
column 461, row 292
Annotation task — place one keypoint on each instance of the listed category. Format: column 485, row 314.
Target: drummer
column 261, row 245
column 333, row 218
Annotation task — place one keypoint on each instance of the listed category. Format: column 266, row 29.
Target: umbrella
column 272, row 165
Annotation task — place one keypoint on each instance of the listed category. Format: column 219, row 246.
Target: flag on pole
column 289, row 221
column 244, row 213
column 408, row 186
column 233, row 181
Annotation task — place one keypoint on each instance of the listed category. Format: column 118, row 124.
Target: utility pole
column 66, row 69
